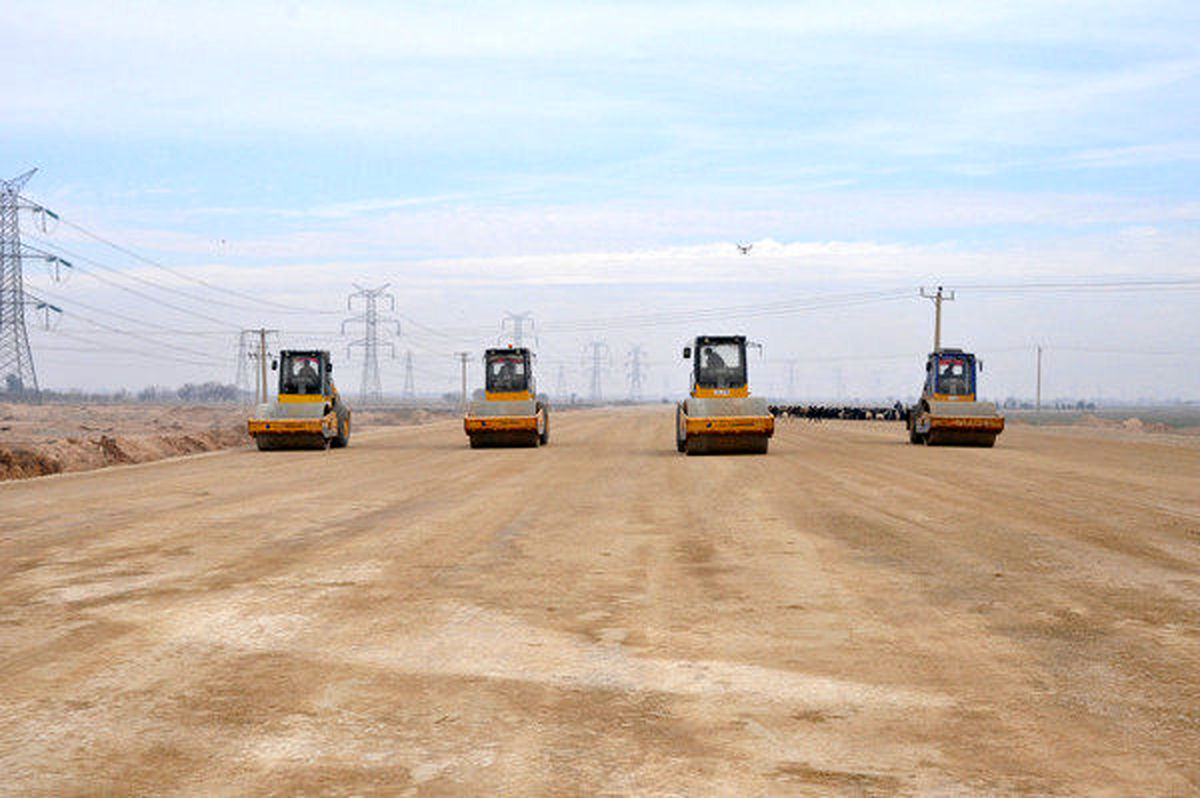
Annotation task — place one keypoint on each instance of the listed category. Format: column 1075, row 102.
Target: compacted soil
column 847, row 615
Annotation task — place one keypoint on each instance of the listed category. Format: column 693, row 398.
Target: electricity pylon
column 17, row 373
column 370, row 318
column 410, row 388
column 601, row 362
column 635, row 369
column 517, row 322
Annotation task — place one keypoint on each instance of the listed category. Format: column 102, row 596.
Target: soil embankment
column 36, row 440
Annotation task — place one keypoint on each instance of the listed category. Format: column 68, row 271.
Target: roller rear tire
column 544, row 435
column 342, row 438
column 680, row 435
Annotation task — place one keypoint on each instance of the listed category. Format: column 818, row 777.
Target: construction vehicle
column 308, row 412
column 948, row 413
column 511, row 412
column 720, row 415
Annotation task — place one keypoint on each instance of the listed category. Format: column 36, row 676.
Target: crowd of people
column 897, row 412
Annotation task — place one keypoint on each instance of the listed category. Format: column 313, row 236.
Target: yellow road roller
column 308, row 412
column 511, row 412
column 719, row 415
column 948, row 413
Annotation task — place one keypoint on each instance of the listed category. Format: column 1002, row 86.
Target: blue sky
column 599, row 159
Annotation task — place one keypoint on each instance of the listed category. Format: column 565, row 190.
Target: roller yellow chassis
column 967, row 423
column 730, row 425
column 292, row 426
column 500, row 424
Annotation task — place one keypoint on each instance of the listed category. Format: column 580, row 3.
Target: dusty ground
column 849, row 615
column 54, row 438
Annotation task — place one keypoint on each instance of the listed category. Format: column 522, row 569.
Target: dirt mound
column 1093, row 420
column 47, row 439
column 1130, row 424
column 22, row 464
column 83, row 454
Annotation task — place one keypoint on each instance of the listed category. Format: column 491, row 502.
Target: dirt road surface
column 848, row 615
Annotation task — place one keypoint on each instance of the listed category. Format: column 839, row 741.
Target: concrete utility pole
column 517, row 321
column 1038, row 401
column 601, row 360
column 262, row 363
column 261, row 354
column 938, row 298
column 463, row 357
column 410, row 388
column 636, row 368
column 242, row 379
column 370, row 318
column 791, row 364
column 254, row 347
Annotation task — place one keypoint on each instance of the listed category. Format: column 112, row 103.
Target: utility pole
column 791, row 364
column 253, row 346
column 635, row 369
column 938, row 298
column 517, row 322
column 370, row 318
column 601, row 361
column 262, row 364
column 1038, row 401
column 410, row 388
column 463, row 357
column 242, row 380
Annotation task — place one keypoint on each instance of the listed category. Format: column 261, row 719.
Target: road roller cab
column 308, row 412
column 948, row 412
column 719, row 415
column 511, row 412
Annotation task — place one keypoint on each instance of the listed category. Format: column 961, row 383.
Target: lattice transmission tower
column 560, row 385
column 601, row 357
column 636, row 369
column 370, row 318
column 17, row 373
column 516, row 322
column 410, row 386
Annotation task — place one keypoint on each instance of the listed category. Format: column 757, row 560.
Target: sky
column 595, row 164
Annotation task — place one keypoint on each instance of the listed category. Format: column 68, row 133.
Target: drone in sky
column 745, row 248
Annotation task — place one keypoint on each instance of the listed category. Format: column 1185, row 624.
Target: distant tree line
column 208, row 392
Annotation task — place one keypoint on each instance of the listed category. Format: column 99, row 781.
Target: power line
column 139, row 336
column 1094, row 285
column 814, row 303
column 283, row 307
column 58, row 248
column 118, row 350
column 58, row 297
